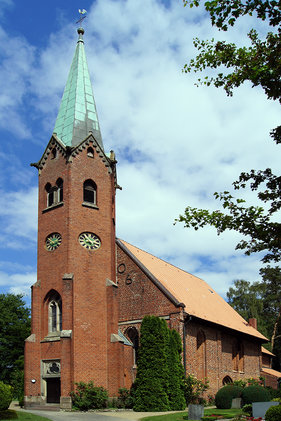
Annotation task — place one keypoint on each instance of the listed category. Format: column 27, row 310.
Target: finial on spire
column 82, row 17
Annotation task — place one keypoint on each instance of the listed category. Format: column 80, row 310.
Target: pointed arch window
column 54, row 313
column 201, row 355
column 237, row 355
column 90, row 192
column 54, row 193
column 59, row 184
column 133, row 335
column 50, row 194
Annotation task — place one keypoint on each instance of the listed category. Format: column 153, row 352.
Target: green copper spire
column 77, row 114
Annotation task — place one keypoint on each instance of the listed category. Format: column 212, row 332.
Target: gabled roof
column 265, row 351
column 77, row 114
column 198, row 298
column 271, row 372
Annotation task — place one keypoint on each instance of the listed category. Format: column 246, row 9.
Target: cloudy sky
column 175, row 144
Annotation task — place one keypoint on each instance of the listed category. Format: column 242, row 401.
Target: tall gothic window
column 201, row 355
column 237, row 355
column 90, row 192
column 133, row 335
column 54, row 304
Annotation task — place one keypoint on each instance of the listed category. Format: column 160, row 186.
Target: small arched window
column 54, row 193
column 90, row 192
column 90, row 152
column 133, row 335
column 59, row 184
column 50, row 194
column 54, row 153
column 227, row 380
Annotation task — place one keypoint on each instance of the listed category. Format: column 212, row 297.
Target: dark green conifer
column 176, row 372
column 151, row 383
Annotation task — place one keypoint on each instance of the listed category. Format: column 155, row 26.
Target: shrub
column 124, row 399
column 273, row 413
column 274, row 393
column 87, row 396
column 211, row 400
column 225, row 395
column 255, row 394
column 194, row 388
column 248, row 409
column 6, row 396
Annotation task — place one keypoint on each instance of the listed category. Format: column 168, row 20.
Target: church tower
column 74, row 333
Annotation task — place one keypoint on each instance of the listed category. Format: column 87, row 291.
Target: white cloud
column 176, row 144
column 20, row 283
column 18, row 211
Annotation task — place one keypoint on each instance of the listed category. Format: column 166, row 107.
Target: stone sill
column 90, row 205
column 51, row 338
column 56, row 205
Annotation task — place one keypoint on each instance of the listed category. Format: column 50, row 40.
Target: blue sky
column 175, row 144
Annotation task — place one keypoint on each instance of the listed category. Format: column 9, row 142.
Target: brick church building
column 93, row 290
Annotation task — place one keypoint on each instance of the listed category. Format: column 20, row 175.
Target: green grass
column 182, row 416
column 22, row 416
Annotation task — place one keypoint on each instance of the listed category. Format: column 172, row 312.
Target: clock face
column 53, row 241
column 89, row 241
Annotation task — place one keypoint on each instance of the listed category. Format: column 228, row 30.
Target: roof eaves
column 150, row 275
column 54, row 139
column 229, row 329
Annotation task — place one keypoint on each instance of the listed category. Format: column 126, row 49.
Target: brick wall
column 89, row 306
column 208, row 348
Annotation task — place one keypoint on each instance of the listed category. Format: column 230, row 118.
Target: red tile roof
column 271, row 372
column 199, row 298
column 265, row 351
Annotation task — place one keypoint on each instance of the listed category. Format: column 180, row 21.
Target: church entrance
column 53, row 390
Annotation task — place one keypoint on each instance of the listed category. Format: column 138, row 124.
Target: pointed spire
column 77, row 114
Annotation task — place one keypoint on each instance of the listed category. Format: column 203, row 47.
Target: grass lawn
column 22, row 416
column 182, row 416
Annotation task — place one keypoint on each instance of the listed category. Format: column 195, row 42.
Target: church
column 93, row 289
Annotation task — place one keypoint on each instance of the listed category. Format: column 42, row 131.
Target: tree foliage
column 151, row 383
column 176, row 372
column 263, row 233
column 159, row 380
column 260, row 63
column 276, row 349
column 14, row 329
column 261, row 300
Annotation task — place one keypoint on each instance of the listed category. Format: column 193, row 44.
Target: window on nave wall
column 201, row 355
column 237, row 355
column 133, row 335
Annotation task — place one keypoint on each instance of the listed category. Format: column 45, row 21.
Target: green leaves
column 14, row 329
column 262, row 233
column 224, row 13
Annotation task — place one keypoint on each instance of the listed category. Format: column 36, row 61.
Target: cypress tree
column 151, row 383
column 176, row 372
